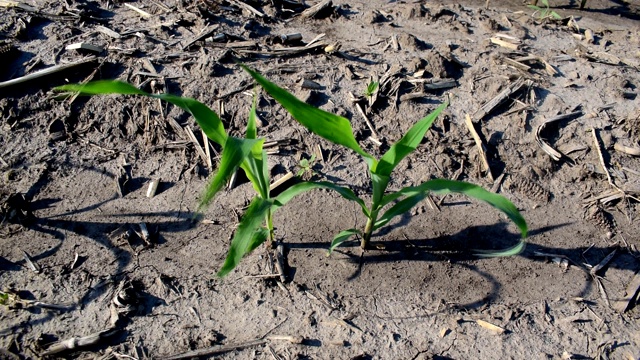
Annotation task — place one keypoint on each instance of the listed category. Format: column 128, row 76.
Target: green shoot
column 544, row 13
column 305, row 167
column 381, row 211
column 371, row 89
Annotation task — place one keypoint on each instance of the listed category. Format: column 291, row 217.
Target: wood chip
column 480, row 146
column 153, row 187
column 505, row 44
column 630, row 295
column 489, row 326
column 142, row 13
column 105, row 30
column 313, row 11
column 513, row 88
column 633, row 151
column 84, row 46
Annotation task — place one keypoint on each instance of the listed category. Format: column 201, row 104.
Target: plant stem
column 271, row 243
column 368, row 229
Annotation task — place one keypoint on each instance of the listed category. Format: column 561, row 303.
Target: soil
column 76, row 173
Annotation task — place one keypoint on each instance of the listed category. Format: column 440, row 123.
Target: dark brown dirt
column 421, row 292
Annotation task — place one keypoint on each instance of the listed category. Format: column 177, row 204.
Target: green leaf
column 342, row 237
column 407, row 144
column 234, row 153
column 299, row 188
column 103, row 87
column 324, row 124
column 379, row 184
column 371, row 88
column 514, row 250
column 206, row 118
column 556, row 16
column 399, row 208
column 252, row 124
column 442, row 186
column 545, row 3
column 259, row 236
column 536, row 8
column 256, row 169
column 245, row 238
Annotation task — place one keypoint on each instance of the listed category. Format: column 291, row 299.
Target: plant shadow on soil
column 447, row 248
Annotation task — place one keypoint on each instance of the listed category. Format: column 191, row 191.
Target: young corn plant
column 546, row 12
column 384, row 206
column 256, row 226
column 371, row 89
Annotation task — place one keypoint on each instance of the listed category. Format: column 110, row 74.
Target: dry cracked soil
column 93, row 268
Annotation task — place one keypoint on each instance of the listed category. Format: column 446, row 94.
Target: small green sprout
column 371, row 89
column 544, row 13
column 305, row 167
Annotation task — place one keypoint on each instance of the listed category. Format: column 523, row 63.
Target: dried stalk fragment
column 516, row 86
column 216, row 350
column 45, row 72
column 74, row 343
column 555, row 154
column 479, row 145
column 313, row 11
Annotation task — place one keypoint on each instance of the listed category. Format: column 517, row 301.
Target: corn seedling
column 256, row 226
column 544, row 13
column 384, row 206
column 371, row 89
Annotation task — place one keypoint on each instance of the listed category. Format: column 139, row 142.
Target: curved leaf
column 247, row 236
column 399, row 208
column 324, row 124
column 442, row 186
column 407, row 144
column 342, row 237
column 514, row 250
column 299, row 188
column 206, row 118
column 234, row 153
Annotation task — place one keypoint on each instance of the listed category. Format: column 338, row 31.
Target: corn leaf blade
column 252, row 124
column 442, row 187
column 341, row 238
column 103, row 87
column 206, row 118
column 245, row 238
column 407, row 144
column 400, row 208
column 234, row 153
column 324, row 124
column 259, row 237
column 302, row 187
